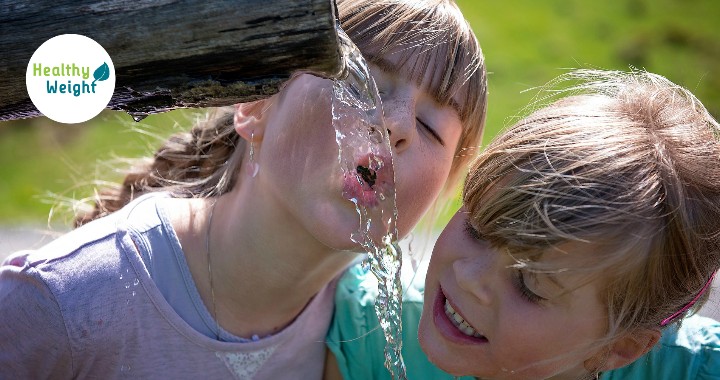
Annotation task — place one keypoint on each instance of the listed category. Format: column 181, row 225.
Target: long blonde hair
column 630, row 161
column 431, row 34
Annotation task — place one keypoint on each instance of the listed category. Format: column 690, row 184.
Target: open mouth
column 453, row 325
column 365, row 186
column 459, row 322
column 368, row 175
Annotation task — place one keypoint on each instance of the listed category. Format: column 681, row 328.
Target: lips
column 452, row 325
column 460, row 322
column 367, row 184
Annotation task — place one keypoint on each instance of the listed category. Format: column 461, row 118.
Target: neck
column 265, row 270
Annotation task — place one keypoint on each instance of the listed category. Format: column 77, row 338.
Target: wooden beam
column 175, row 53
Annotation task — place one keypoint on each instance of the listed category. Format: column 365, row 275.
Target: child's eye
column 471, row 231
column 430, row 131
column 525, row 292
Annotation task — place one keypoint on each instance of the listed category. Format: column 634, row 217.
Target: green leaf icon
column 102, row 73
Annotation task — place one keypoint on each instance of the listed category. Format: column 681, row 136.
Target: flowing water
column 365, row 156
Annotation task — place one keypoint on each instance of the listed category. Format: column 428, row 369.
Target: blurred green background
column 526, row 43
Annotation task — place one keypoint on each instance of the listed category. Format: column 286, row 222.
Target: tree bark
column 175, row 53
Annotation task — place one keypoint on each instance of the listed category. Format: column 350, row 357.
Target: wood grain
column 175, row 53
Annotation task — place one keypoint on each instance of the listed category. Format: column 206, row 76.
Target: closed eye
column 431, row 131
column 524, row 290
column 471, row 231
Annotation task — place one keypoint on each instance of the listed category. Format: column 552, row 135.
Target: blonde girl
column 217, row 258
column 589, row 230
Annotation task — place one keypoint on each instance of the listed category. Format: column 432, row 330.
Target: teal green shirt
column 356, row 339
column 689, row 351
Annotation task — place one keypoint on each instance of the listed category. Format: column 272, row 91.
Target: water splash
column 365, row 156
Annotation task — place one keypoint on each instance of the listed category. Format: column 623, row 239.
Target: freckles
column 433, row 176
column 415, row 184
column 397, row 104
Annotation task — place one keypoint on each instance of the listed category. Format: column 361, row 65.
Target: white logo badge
column 70, row 78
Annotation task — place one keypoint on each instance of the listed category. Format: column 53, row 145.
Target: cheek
column 449, row 247
column 417, row 187
column 299, row 134
column 542, row 348
column 306, row 105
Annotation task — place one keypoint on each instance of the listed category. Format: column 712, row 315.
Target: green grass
column 526, row 43
column 44, row 162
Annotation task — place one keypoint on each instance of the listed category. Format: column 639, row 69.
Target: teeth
column 458, row 318
column 459, row 322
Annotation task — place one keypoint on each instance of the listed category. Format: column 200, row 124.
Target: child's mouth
column 368, row 175
column 452, row 325
column 460, row 323
column 366, row 184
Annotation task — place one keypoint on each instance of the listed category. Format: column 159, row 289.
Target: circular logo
column 70, row 78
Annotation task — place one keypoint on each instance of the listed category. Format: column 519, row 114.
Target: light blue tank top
column 164, row 258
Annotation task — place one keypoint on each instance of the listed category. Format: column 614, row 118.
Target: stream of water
column 365, row 156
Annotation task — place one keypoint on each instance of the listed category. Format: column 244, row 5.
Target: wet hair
column 432, row 35
column 628, row 163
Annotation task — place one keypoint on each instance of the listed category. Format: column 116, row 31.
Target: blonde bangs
column 628, row 162
column 435, row 48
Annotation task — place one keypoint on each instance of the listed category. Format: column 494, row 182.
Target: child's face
column 299, row 155
column 525, row 325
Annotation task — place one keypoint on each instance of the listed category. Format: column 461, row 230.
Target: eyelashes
column 431, row 132
column 385, row 80
column 518, row 276
column 523, row 289
column 471, row 231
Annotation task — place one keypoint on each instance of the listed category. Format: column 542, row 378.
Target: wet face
column 482, row 317
column 298, row 154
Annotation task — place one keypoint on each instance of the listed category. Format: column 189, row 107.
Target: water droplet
column 121, row 276
column 138, row 116
column 136, row 282
column 124, row 368
column 127, row 286
column 134, row 293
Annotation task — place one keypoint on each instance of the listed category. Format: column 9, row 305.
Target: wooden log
column 175, row 53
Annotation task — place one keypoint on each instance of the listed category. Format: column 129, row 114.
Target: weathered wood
column 174, row 53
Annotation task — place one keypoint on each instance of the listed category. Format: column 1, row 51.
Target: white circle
column 70, row 78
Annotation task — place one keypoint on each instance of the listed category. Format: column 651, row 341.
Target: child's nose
column 400, row 119
column 475, row 276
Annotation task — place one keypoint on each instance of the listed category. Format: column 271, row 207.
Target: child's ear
column 630, row 347
column 249, row 119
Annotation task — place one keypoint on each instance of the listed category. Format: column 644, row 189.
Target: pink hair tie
column 689, row 305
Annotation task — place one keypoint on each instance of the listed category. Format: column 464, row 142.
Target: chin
column 436, row 348
column 433, row 349
column 348, row 246
column 338, row 236
column 337, row 240
column 442, row 360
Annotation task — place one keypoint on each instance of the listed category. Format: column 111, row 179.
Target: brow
column 550, row 276
column 391, row 68
column 555, row 281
